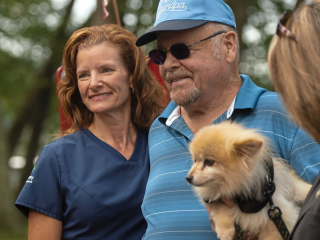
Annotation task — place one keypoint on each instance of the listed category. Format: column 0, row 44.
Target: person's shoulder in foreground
column 263, row 110
column 297, row 41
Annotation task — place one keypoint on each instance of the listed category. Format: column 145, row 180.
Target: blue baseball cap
column 175, row 15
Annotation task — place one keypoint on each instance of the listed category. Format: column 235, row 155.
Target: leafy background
column 32, row 36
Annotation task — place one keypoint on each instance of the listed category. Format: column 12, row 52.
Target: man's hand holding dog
column 230, row 203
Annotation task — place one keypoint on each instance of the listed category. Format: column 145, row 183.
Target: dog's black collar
column 253, row 205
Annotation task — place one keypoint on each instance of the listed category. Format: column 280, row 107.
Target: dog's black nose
column 189, row 178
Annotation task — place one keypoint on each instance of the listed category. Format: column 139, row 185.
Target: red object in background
column 105, row 9
column 65, row 123
column 155, row 70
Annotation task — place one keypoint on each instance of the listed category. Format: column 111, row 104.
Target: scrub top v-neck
column 111, row 150
column 89, row 186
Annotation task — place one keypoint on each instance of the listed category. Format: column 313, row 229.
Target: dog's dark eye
column 208, row 162
column 195, row 160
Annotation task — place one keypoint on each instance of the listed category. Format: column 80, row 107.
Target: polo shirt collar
column 246, row 98
column 249, row 94
column 167, row 112
column 176, row 113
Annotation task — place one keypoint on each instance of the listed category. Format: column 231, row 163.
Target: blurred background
column 32, row 36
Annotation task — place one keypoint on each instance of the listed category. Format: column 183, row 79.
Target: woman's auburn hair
column 295, row 67
column 148, row 98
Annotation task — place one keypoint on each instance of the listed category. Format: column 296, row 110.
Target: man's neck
column 203, row 113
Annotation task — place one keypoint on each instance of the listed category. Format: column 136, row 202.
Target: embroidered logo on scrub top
column 30, row 179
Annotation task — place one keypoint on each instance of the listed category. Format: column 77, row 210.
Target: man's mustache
column 179, row 73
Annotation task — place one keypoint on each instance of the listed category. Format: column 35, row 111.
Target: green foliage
column 22, row 235
column 139, row 16
column 263, row 17
column 16, row 78
column 26, row 30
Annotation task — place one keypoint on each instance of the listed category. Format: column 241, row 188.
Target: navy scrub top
column 90, row 187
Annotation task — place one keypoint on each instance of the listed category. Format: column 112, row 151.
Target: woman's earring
column 132, row 90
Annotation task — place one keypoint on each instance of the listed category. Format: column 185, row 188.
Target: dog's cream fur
column 229, row 161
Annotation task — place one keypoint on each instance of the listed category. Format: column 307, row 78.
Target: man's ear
column 231, row 43
column 248, row 147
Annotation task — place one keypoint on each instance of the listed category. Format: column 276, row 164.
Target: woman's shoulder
column 68, row 140
column 71, row 146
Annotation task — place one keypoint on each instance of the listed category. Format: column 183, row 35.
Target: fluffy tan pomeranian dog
column 233, row 162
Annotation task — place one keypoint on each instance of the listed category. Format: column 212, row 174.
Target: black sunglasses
column 179, row 51
column 281, row 29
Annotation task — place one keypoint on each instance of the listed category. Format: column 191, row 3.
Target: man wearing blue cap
column 198, row 56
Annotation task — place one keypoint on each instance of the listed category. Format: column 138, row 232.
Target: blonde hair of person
column 148, row 96
column 295, row 67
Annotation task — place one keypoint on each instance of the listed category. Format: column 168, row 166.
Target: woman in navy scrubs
column 294, row 62
column 90, row 182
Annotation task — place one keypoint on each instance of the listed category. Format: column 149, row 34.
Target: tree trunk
column 239, row 8
column 10, row 220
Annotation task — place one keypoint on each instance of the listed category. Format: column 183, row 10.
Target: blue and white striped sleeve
column 305, row 156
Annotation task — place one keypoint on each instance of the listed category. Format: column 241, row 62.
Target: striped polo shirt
column 170, row 206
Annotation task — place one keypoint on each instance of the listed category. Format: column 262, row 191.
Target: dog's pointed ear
column 248, row 147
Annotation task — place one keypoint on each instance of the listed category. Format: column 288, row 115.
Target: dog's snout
column 189, row 178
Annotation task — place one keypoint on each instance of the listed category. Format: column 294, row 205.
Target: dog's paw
column 225, row 233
